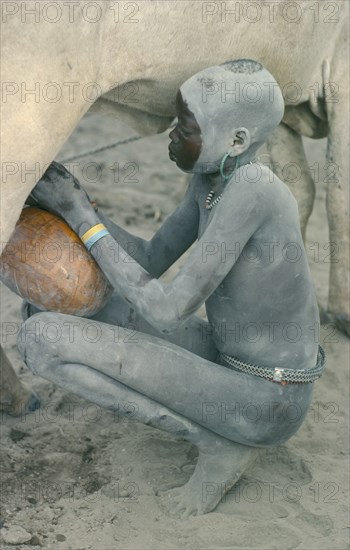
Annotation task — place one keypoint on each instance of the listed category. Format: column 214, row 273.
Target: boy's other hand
column 60, row 192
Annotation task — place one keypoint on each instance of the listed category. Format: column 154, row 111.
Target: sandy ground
column 78, row 477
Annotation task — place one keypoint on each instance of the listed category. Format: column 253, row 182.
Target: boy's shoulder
column 256, row 173
column 257, row 179
column 253, row 183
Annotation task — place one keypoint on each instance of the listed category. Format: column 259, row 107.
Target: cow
column 128, row 59
column 15, row 398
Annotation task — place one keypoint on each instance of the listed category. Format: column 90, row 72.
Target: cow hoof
column 325, row 317
column 342, row 322
column 18, row 409
column 33, row 403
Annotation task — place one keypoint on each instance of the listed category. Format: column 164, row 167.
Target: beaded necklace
column 209, row 204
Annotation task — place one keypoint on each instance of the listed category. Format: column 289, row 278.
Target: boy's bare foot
column 220, row 465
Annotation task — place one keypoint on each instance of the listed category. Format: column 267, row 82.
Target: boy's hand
column 59, row 192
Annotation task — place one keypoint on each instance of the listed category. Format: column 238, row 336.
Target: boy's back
column 265, row 309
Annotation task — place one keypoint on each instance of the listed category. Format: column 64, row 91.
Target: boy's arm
column 173, row 238
column 60, row 192
column 244, row 207
column 242, row 210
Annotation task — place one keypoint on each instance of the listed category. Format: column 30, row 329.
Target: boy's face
column 186, row 140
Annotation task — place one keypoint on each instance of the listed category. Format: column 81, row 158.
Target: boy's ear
column 240, row 141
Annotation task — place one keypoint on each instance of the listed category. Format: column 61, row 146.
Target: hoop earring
column 222, row 163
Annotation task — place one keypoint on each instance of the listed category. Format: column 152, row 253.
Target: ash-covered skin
column 186, row 138
column 68, row 195
column 248, row 266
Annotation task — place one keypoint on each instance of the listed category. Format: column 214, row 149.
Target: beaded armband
column 94, row 234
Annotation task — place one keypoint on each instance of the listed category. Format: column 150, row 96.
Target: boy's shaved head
column 237, row 97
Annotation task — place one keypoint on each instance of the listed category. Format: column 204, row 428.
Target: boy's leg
column 195, row 335
column 47, row 340
column 235, row 405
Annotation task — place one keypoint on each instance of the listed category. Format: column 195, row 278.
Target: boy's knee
column 279, row 434
column 274, row 430
column 34, row 337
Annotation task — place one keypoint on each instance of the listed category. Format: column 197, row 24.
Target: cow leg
column 337, row 204
column 287, row 154
column 15, row 398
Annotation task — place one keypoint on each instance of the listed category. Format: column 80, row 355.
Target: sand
column 74, row 476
